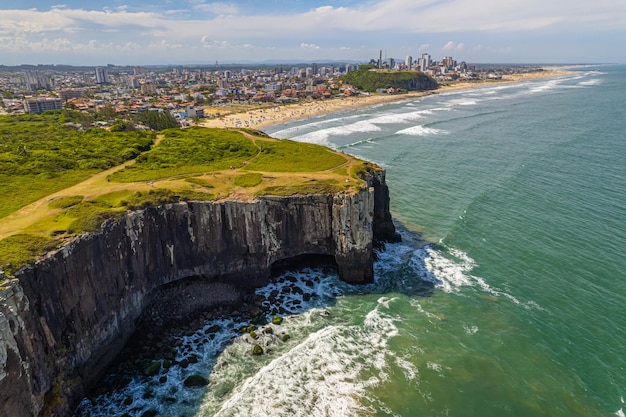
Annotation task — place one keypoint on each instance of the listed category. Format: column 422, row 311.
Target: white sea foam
column 410, row 370
column 292, row 131
column 200, row 344
column 321, row 375
column 470, row 329
column 450, row 270
column 592, row 82
column 322, row 136
column 545, row 86
column 400, row 117
column 420, row 130
column 435, row 367
column 462, row 102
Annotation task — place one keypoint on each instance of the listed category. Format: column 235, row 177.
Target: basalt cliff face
column 64, row 318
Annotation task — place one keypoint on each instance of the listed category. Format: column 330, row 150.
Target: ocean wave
column 291, row 131
column 321, row 375
column 420, row 130
column 592, row 82
column 322, row 136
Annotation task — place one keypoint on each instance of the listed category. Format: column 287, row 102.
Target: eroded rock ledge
column 63, row 319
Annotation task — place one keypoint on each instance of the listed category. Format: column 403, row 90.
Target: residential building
column 37, row 80
column 39, row 105
column 66, row 95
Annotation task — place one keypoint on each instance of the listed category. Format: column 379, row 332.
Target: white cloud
column 218, row 8
column 450, row 46
column 359, row 29
column 309, row 45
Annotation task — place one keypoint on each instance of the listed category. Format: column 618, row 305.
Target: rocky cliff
column 64, row 318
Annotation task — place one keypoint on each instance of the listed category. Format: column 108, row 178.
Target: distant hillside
column 368, row 78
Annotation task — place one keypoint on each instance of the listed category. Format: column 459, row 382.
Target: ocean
column 506, row 297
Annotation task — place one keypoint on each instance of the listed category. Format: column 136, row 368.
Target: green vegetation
column 65, row 202
column 309, row 187
column 87, row 216
column 369, row 79
column 200, row 181
column 251, row 179
column 160, row 196
column 18, row 250
column 363, row 167
column 157, row 120
column 190, row 151
column 40, row 154
column 290, row 156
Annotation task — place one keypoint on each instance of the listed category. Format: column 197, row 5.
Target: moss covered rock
column 152, row 369
column 196, row 381
column 257, row 350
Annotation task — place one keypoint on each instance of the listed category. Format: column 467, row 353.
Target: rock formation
column 64, row 318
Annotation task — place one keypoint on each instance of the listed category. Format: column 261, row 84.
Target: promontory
column 99, row 227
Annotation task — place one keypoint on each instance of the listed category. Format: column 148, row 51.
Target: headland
column 192, row 237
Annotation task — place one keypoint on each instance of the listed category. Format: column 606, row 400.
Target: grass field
column 64, row 182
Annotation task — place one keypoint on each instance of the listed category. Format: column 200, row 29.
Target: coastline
column 261, row 118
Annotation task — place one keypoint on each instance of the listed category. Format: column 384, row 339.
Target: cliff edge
column 64, row 318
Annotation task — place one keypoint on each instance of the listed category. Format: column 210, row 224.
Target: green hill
column 369, row 78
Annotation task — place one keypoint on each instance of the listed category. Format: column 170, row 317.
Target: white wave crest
column 589, row 83
column 322, row 136
column 420, row 131
column 293, row 131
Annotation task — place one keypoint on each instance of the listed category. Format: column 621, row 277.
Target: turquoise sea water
column 511, row 199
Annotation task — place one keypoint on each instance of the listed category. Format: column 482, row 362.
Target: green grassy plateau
column 60, row 181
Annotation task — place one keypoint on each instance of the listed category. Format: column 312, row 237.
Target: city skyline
column 202, row 32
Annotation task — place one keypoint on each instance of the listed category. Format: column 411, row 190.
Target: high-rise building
column 448, row 61
column 408, row 61
column 39, row 105
column 37, row 80
column 426, row 62
column 102, row 76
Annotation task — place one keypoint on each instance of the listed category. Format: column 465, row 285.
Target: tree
column 157, row 120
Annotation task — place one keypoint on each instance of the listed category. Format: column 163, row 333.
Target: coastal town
column 207, row 94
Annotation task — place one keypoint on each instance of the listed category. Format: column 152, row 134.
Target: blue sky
column 133, row 32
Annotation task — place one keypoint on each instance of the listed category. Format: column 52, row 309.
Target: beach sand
column 268, row 116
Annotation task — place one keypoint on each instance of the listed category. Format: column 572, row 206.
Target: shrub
column 19, row 250
column 248, row 180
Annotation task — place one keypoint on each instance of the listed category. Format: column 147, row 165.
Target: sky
column 136, row 32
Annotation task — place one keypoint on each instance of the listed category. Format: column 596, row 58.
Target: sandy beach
column 268, row 116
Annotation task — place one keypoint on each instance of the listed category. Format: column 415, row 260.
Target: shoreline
column 270, row 116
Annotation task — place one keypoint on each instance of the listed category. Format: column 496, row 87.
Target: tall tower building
column 102, row 76
column 408, row 61
column 426, row 62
